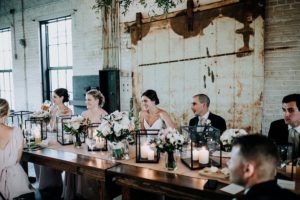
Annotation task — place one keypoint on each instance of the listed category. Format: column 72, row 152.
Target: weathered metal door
column 220, row 54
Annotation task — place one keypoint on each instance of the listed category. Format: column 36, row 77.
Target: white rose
column 117, row 129
column 125, row 122
column 76, row 125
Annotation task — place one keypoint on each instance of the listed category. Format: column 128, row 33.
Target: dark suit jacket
column 279, row 132
column 269, row 190
column 216, row 121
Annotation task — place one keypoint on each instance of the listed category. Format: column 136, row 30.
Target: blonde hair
column 97, row 95
column 4, row 108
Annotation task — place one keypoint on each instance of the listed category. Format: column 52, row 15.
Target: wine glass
column 29, row 137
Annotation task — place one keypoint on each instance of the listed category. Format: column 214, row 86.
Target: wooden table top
column 161, row 182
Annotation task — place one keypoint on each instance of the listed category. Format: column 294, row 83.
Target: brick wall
column 282, row 56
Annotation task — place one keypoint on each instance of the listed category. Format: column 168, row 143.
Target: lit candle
column 36, row 132
column 144, row 151
column 203, row 156
column 150, row 154
column 195, row 155
column 100, row 142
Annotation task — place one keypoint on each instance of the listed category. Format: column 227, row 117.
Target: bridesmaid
column 81, row 185
column 50, row 178
column 60, row 98
column 13, row 179
column 153, row 117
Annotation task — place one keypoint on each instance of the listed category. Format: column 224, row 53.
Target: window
column 6, row 78
column 57, row 55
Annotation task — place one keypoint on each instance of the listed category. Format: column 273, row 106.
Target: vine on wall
column 163, row 4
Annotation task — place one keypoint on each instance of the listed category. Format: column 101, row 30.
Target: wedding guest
column 80, row 185
column 60, row 98
column 153, row 117
column 200, row 107
column 50, row 180
column 94, row 101
column 253, row 165
column 287, row 130
column 13, row 179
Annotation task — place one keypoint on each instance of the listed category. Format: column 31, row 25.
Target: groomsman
column 200, row 107
column 287, row 130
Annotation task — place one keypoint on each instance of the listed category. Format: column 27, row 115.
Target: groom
column 200, row 106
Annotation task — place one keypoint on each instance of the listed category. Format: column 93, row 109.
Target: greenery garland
column 164, row 4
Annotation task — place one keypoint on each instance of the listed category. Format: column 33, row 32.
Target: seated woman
column 86, row 187
column 153, row 117
column 60, row 98
column 50, row 178
column 94, row 101
column 13, row 179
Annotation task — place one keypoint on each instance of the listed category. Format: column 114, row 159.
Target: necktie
column 294, row 139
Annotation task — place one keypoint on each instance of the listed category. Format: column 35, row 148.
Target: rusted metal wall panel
column 178, row 68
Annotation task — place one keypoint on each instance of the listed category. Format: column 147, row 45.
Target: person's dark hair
column 258, row 148
column 151, row 94
column 292, row 97
column 203, row 98
column 62, row 92
column 4, row 107
column 97, row 95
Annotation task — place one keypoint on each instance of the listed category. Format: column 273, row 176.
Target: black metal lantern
column 200, row 145
column 63, row 137
column 95, row 143
column 37, row 127
column 18, row 118
column 146, row 153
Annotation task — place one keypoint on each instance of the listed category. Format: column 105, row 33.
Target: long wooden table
column 160, row 182
column 74, row 163
column 182, row 184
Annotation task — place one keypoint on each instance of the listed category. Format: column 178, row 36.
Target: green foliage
column 163, row 4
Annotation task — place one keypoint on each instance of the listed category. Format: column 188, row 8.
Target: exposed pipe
column 23, row 42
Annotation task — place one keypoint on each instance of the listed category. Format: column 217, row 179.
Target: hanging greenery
column 163, row 4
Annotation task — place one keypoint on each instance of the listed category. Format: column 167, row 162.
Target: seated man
column 253, row 165
column 200, row 106
column 287, row 130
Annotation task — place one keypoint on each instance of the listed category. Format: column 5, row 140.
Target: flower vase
column 170, row 164
column 77, row 142
column 117, row 150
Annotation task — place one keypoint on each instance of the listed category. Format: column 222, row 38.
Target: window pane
column 52, row 33
column 69, row 55
column 53, row 56
column 62, row 52
column 6, row 87
column 53, row 80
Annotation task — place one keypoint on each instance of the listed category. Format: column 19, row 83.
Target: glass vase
column 170, row 162
column 77, row 141
column 117, row 150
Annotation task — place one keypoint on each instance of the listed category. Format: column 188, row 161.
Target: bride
column 153, row 117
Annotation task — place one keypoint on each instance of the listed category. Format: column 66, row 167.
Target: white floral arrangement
column 76, row 125
column 116, row 126
column 228, row 136
column 168, row 140
column 41, row 114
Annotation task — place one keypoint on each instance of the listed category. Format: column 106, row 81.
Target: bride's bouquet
column 228, row 136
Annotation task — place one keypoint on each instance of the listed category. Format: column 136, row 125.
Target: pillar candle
column 195, row 155
column 150, row 154
column 144, row 151
column 203, row 156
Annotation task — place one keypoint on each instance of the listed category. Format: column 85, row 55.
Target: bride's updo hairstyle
column 62, row 92
column 4, row 108
column 151, row 94
column 97, row 95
